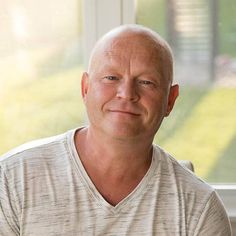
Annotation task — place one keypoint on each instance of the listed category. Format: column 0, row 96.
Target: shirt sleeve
column 214, row 220
column 8, row 217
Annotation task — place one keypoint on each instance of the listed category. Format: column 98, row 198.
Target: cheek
column 157, row 106
column 98, row 95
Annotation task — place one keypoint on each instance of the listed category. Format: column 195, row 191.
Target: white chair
column 187, row 164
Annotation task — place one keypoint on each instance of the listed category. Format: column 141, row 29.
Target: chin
column 123, row 132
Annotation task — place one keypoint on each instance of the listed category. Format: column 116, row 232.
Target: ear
column 173, row 94
column 84, row 85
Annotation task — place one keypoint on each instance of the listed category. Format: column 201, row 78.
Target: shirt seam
column 77, row 169
column 207, row 201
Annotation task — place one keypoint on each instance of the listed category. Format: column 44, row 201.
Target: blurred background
column 42, row 47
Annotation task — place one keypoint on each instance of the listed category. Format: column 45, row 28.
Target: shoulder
column 199, row 200
column 34, row 150
column 184, row 178
column 214, row 219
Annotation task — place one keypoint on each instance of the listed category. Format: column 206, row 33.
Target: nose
column 127, row 90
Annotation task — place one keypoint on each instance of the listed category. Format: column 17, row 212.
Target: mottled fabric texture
column 45, row 191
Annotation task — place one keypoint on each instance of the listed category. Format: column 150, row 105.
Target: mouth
column 125, row 112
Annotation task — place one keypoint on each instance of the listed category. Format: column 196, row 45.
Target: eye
column 146, row 83
column 110, row 78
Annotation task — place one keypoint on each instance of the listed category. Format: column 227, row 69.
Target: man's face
column 125, row 93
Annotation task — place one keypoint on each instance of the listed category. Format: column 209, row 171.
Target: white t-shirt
column 45, row 191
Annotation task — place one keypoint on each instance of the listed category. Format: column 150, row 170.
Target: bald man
column 108, row 178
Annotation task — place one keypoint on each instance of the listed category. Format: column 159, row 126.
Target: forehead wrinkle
column 115, row 59
column 118, row 62
column 126, row 60
column 149, row 49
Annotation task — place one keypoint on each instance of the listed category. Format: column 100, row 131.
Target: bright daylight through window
column 41, row 54
column 40, row 66
column 202, row 127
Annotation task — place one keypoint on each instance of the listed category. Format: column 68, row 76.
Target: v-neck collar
column 138, row 191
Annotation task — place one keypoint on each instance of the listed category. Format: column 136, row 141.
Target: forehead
column 131, row 45
column 129, row 48
column 139, row 50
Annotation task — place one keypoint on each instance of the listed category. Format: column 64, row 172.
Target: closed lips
column 125, row 112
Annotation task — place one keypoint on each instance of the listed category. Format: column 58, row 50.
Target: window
column 202, row 127
column 41, row 52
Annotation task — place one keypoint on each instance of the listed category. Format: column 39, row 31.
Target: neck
column 113, row 155
column 115, row 167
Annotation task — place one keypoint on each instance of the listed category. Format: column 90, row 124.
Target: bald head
column 140, row 36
